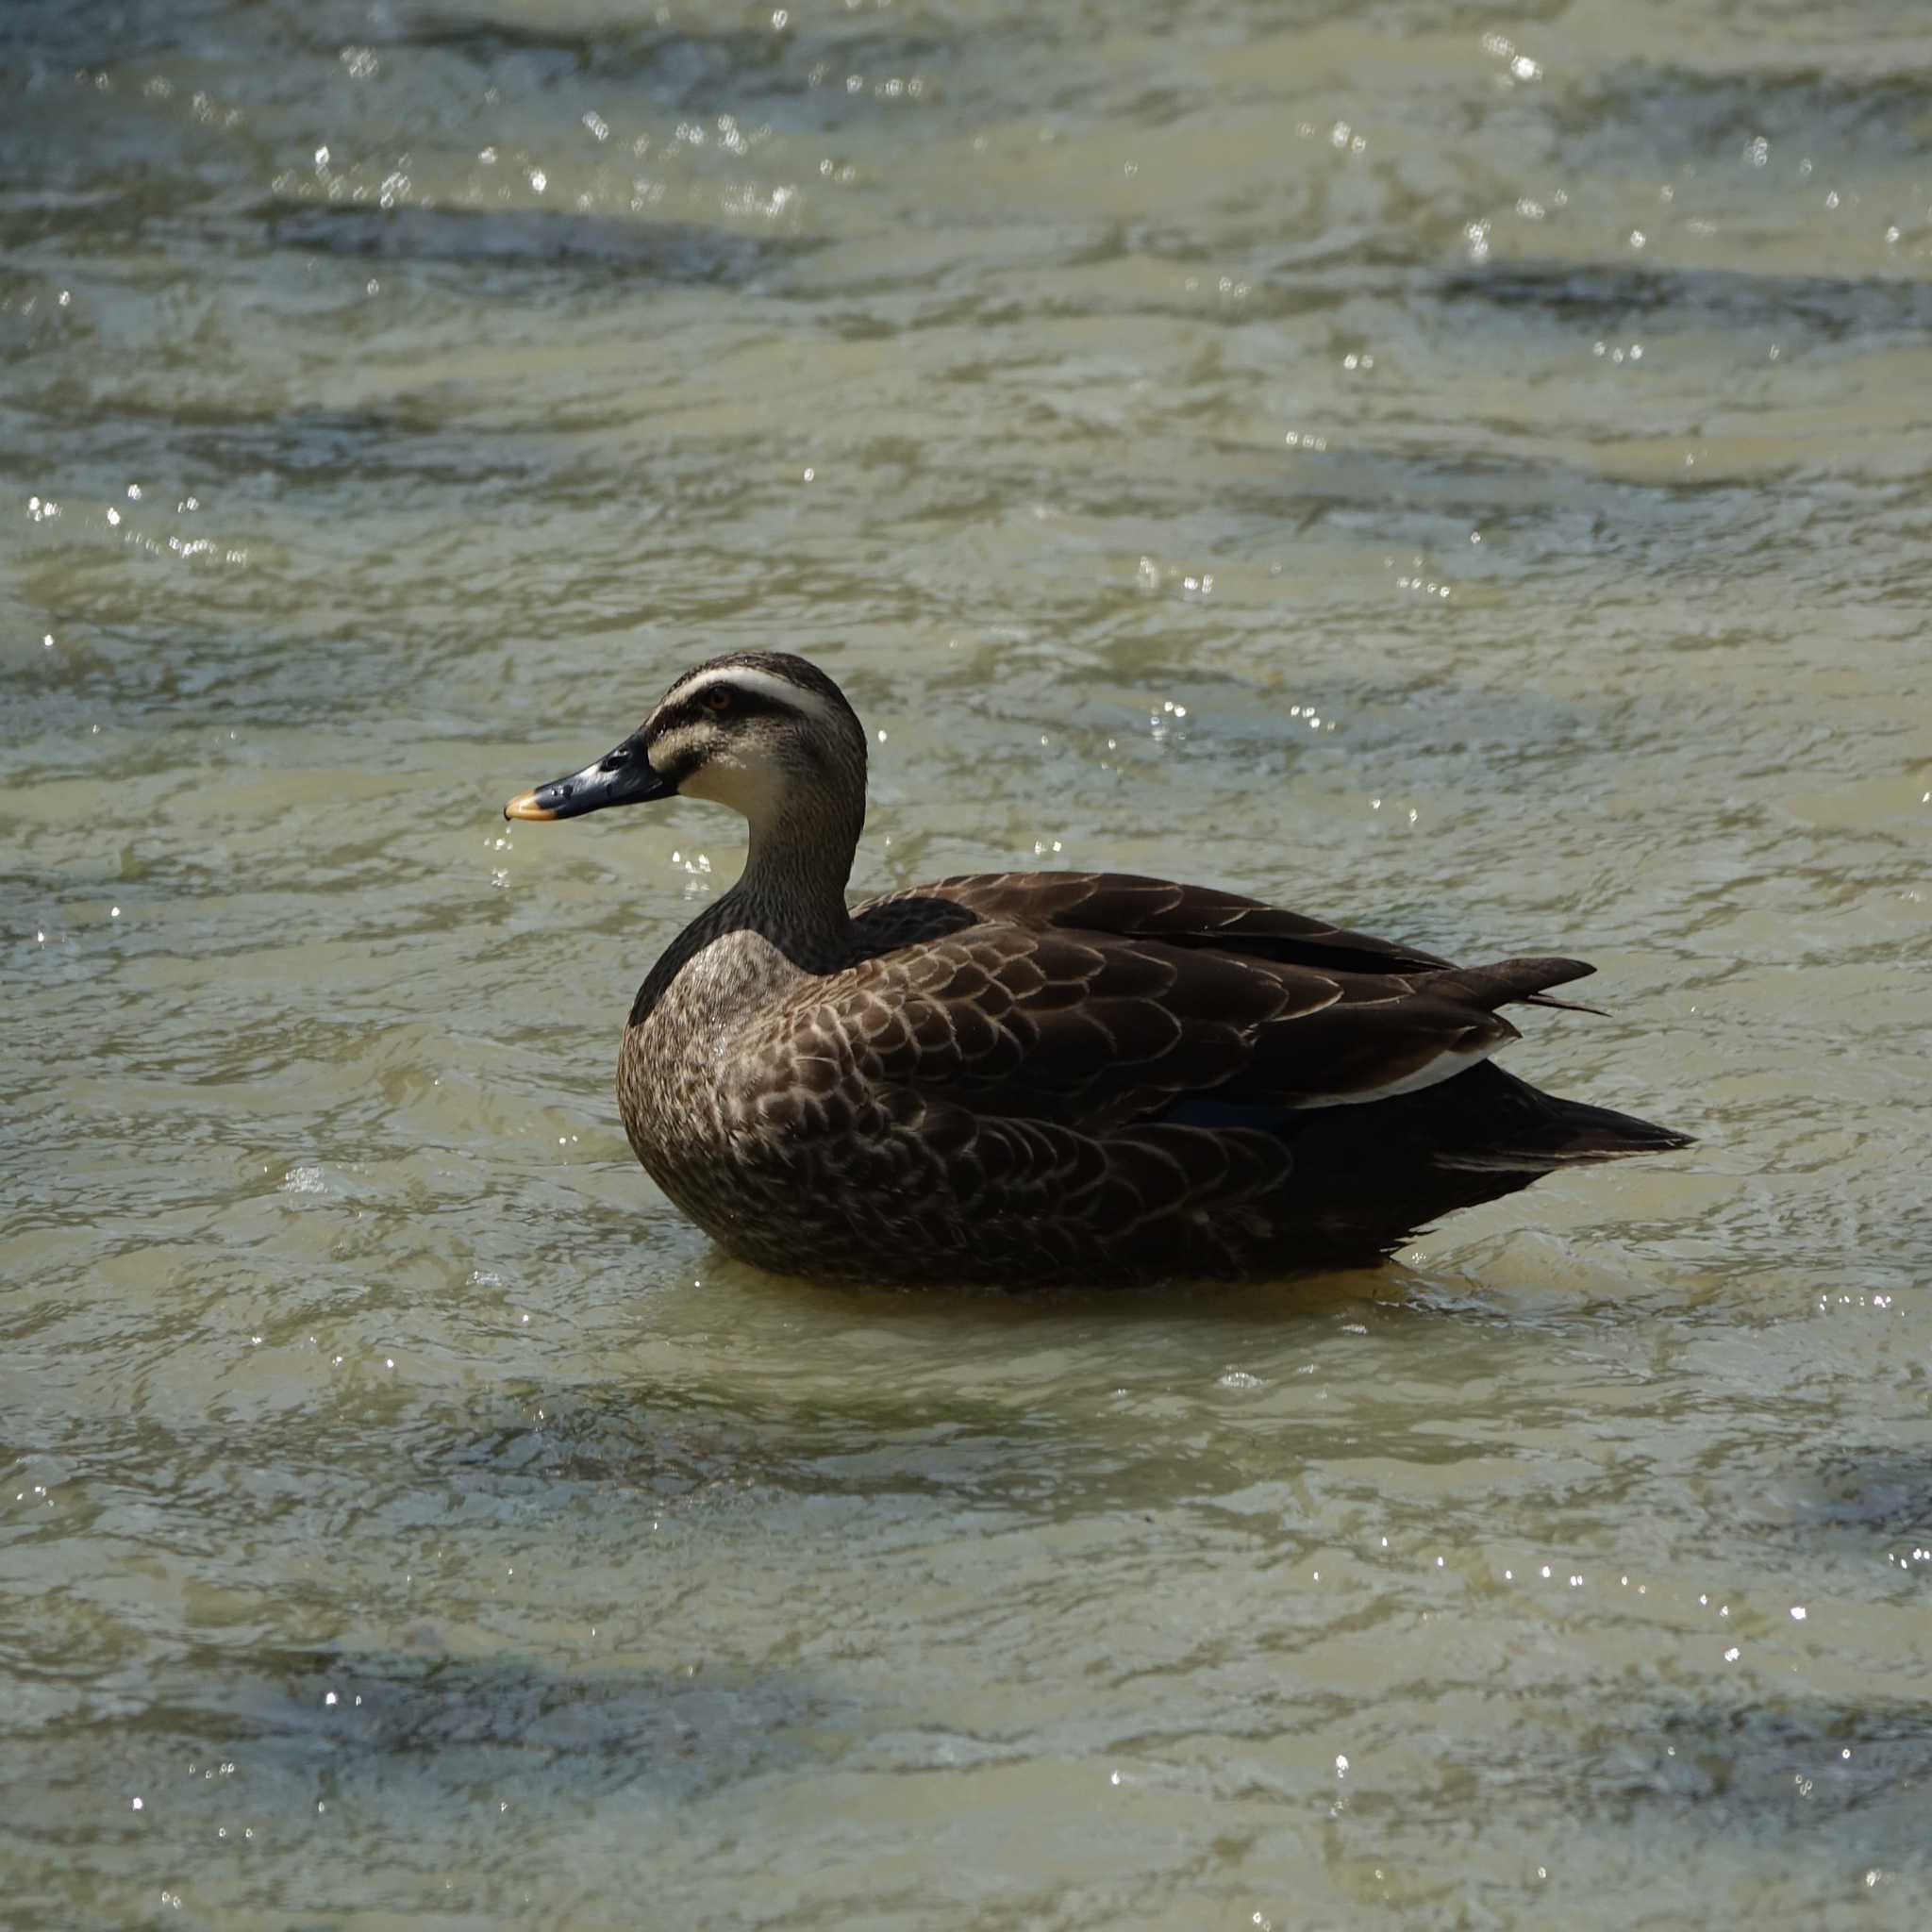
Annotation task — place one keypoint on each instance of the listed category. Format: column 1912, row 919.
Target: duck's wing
column 1131, row 906
column 1096, row 1029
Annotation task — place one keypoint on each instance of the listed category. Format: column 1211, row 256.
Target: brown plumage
column 1040, row 1076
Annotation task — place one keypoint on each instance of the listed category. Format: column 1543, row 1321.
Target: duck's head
column 761, row 731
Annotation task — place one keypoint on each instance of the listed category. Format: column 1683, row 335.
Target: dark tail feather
column 1526, row 1128
column 1517, row 982
column 1382, row 1172
column 1520, row 1127
column 1542, row 999
column 1504, row 981
column 1601, row 1133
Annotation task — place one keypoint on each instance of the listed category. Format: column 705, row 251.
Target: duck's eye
column 717, row 700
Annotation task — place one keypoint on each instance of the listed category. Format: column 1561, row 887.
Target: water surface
column 1460, row 473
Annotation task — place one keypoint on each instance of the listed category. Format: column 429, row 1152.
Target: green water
column 1460, row 473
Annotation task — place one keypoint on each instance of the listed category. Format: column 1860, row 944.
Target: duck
column 1010, row 1079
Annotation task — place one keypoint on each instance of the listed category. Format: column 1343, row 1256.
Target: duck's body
column 1026, row 1078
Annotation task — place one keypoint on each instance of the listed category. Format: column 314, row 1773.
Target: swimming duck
column 1028, row 1078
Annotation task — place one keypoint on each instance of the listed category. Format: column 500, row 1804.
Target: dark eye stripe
column 744, row 703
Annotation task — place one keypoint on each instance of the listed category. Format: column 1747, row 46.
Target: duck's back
column 1019, row 1077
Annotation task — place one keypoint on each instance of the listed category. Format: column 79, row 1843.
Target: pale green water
column 348, row 1356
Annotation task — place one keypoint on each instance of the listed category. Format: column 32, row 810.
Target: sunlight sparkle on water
column 510, row 503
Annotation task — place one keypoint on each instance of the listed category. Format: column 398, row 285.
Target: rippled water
column 1460, row 473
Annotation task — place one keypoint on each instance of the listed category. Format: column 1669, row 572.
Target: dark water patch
column 1419, row 493
column 1836, row 308
column 246, row 447
column 694, row 1449
column 48, row 38
column 96, row 208
column 797, row 73
column 898, row 1462
column 1812, row 1783
column 239, row 1768
column 681, row 252
column 1809, row 1765
column 422, row 1712
column 1666, row 113
column 1881, row 1489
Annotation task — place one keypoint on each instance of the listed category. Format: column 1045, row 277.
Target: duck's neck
column 784, row 920
column 793, row 889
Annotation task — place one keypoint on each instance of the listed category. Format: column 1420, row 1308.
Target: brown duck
column 1016, row 1077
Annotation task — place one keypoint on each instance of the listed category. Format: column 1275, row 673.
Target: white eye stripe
column 781, row 690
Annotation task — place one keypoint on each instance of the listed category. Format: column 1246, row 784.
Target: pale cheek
column 753, row 794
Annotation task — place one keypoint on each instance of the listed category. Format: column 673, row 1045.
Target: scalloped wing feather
column 1099, row 1029
column 1132, row 906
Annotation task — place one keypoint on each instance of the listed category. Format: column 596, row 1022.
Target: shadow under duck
column 1017, row 1077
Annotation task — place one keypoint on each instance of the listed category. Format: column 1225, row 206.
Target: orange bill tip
column 524, row 805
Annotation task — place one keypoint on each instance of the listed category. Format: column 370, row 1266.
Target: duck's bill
column 623, row 777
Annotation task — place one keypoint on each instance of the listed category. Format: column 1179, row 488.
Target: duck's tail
column 1488, row 1118
column 1384, row 1174
column 1520, row 1126
column 1515, row 982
